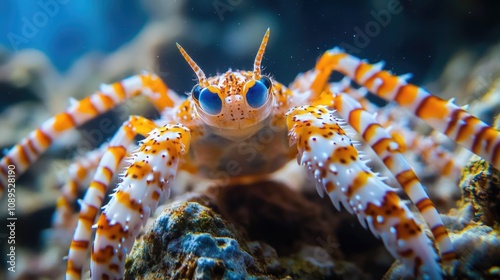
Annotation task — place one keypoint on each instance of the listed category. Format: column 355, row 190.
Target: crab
column 215, row 133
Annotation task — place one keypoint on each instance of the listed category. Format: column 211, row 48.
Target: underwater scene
column 237, row 139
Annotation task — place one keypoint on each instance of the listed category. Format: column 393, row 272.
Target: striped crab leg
column 446, row 117
column 432, row 154
column 148, row 176
column 92, row 201
column 79, row 171
column 30, row 148
column 329, row 155
column 390, row 153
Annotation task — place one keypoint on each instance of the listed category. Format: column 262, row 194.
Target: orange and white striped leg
column 152, row 168
column 79, row 172
column 444, row 116
column 31, row 147
column 430, row 149
column 433, row 155
column 92, row 201
column 329, row 155
column 390, row 153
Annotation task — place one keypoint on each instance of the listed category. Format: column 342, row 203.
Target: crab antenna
column 202, row 79
column 258, row 57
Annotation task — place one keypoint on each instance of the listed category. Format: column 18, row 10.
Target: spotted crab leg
column 30, row 148
column 152, row 167
column 329, row 155
column 92, row 201
column 391, row 154
column 387, row 148
column 444, row 116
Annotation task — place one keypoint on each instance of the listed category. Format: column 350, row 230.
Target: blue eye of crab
column 210, row 102
column 257, row 94
column 266, row 81
column 195, row 92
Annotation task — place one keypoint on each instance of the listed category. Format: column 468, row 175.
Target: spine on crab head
column 329, row 154
column 442, row 115
column 151, row 170
column 390, row 153
column 30, row 148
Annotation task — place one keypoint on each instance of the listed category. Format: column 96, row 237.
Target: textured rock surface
column 480, row 186
column 478, row 248
column 291, row 222
column 190, row 241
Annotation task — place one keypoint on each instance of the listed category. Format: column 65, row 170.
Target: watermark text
column 11, row 218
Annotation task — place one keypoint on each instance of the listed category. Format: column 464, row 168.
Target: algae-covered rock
column 480, row 186
column 191, row 241
column 478, row 250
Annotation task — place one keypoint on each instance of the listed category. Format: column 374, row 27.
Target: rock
column 478, row 248
column 190, row 241
column 480, row 186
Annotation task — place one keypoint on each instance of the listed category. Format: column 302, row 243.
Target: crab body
column 241, row 141
column 241, row 126
column 260, row 154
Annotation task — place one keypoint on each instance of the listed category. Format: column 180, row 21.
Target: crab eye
column 195, row 92
column 257, row 94
column 210, row 102
column 266, row 81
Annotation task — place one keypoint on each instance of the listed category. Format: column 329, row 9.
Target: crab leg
column 432, row 154
column 152, row 168
column 329, row 155
column 390, row 153
column 31, row 147
column 444, row 116
column 94, row 196
column 79, row 172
